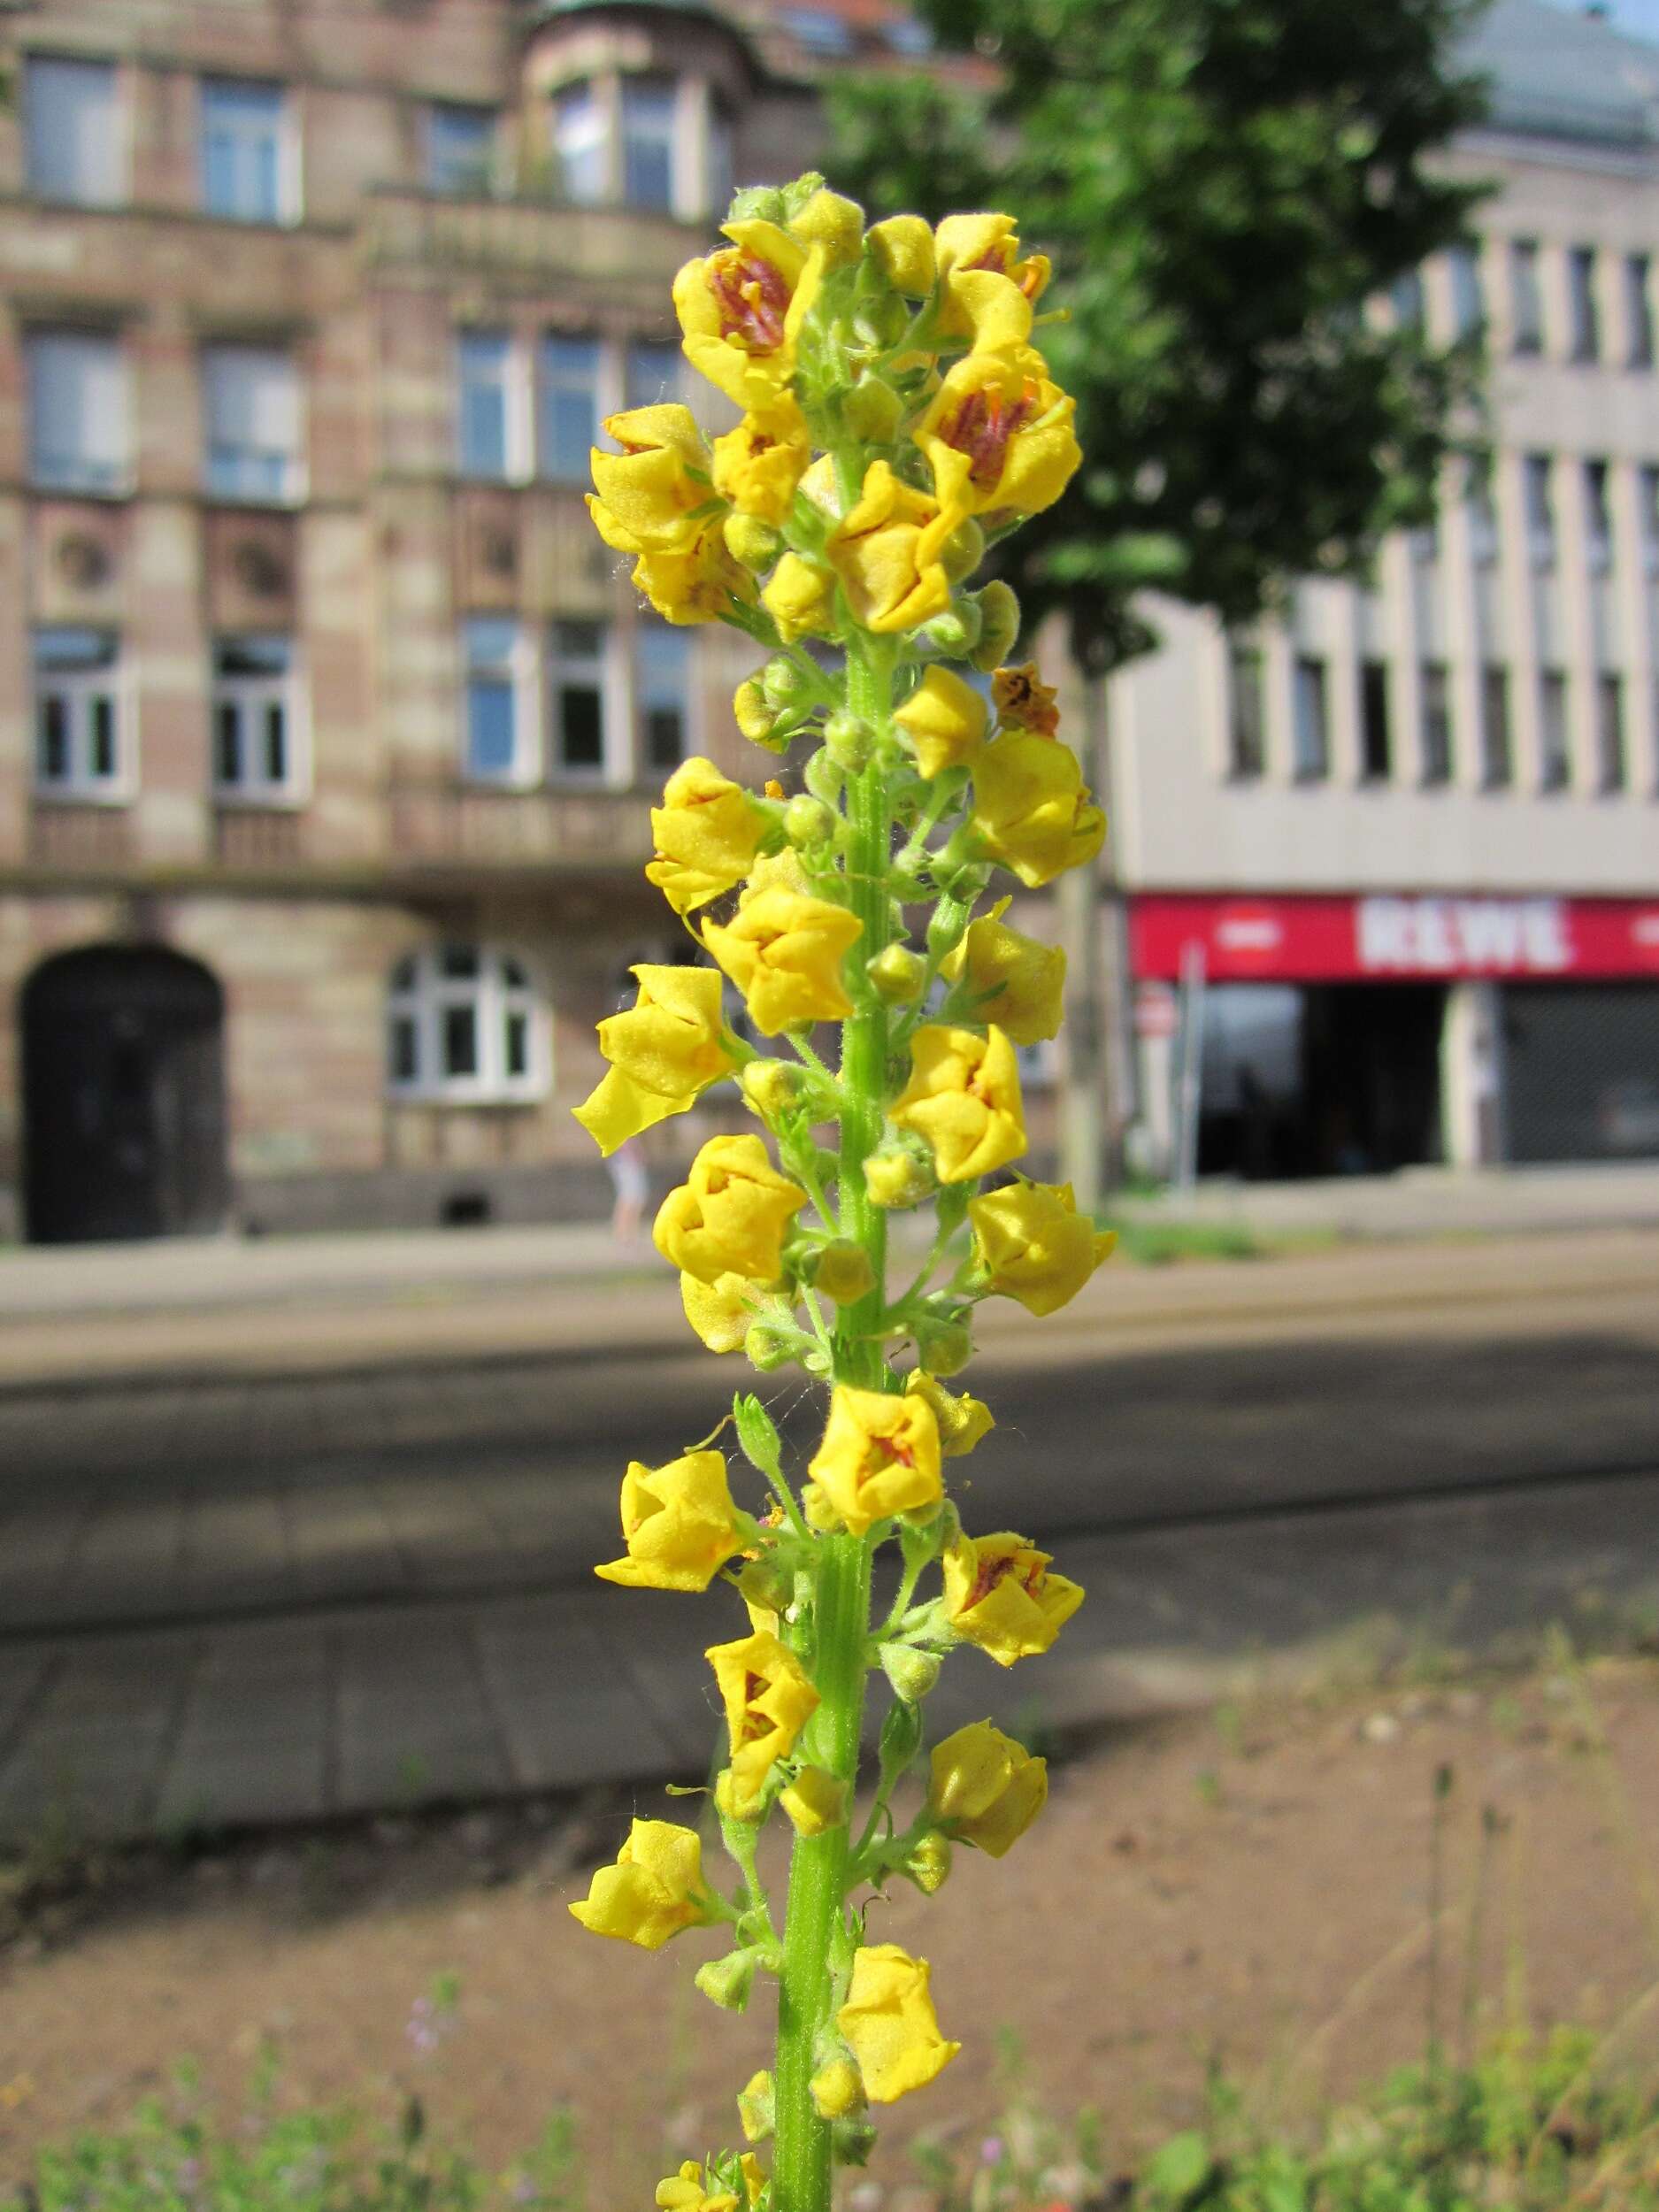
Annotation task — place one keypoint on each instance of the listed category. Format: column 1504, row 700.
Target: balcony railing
column 459, row 824
column 406, row 227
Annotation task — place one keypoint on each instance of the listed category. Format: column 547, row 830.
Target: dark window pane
column 512, row 973
column 489, row 727
column 579, row 641
column 102, row 735
column 229, row 742
column 664, row 737
column 276, row 742
column 1245, row 729
column 403, row 974
column 1437, row 723
column 460, row 1040
column 459, row 962
column 1610, row 732
column 252, row 657
column 54, row 738
column 1375, row 751
column 518, row 1044
column 405, row 1049
column 1309, row 726
column 1496, row 765
column 581, row 726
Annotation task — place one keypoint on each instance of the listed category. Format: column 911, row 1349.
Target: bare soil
column 1252, row 1889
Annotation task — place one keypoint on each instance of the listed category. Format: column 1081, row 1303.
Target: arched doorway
column 123, row 1097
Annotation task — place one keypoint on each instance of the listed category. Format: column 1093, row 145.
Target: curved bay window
column 655, row 142
column 465, row 1025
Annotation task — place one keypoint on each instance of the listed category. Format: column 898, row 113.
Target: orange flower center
column 755, row 1723
column 752, row 298
column 981, row 429
column 989, row 1572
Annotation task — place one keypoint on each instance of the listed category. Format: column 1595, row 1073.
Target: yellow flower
column 986, row 281
column 687, row 2192
column 783, row 953
column 1022, row 702
column 665, row 1051
column 814, row 1801
column 837, row 2090
column 757, row 465
column 962, row 1421
column 998, row 435
column 944, row 719
column 706, row 832
column 833, row 222
column 768, row 1700
column 646, row 493
column 1012, row 979
column 987, row 1787
column 886, row 549
column 695, row 582
column 1000, row 1595
column 800, row 597
column 678, row 1523
column 888, row 2019
column 963, row 1099
column 720, row 1311
column 742, row 309
column 1035, row 1245
column 904, row 250
column 1032, row 809
column 654, row 1890
column 879, row 1455
column 731, row 1213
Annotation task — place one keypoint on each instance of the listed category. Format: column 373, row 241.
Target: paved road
column 234, row 1594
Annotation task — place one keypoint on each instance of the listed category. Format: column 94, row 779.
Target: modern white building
column 1406, row 838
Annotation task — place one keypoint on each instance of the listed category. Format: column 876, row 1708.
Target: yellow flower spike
column 889, row 2021
column 904, row 250
column 768, row 1700
column 987, row 1787
column 706, row 832
column 814, row 1801
column 801, row 599
column 731, row 1215
column 838, row 2090
column 963, row 1099
column 653, row 1891
column 834, row 222
column 720, row 1311
column 943, row 720
column 998, row 435
column 783, row 953
column 665, row 1051
column 963, row 1421
column 742, row 309
column 1033, row 813
column 1034, row 1244
column 881, row 1455
column 1000, row 1595
column 1014, row 980
column 758, row 464
column 696, row 582
column 1023, row 701
column 886, row 550
column 647, row 492
column 678, row 1523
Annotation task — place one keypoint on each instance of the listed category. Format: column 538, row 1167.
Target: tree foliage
column 1222, row 185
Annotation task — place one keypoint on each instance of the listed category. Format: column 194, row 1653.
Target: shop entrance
column 123, row 1097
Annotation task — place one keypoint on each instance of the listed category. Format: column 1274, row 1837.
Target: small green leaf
column 757, row 1434
column 1179, row 2169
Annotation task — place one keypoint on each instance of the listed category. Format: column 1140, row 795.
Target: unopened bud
column 753, row 544
column 963, row 550
column 843, row 1272
column 728, row 1981
column 817, row 1511
column 729, row 1804
column 848, row 741
column 756, row 720
column 871, row 411
column 785, row 683
column 969, row 882
column 767, row 1583
column 814, row 1801
column 758, row 2107
column 912, row 1673
column 838, row 2090
column 808, row 822
column 773, row 1088
column 795, row 194
column 898, row 974
column 768, row 1346
column 896, row 1177
column 999, row 626
column 928, row 1865
column 956, row 633
column 757, row 203
column 853, row 2141
column 944, row 1348
column 831, row 221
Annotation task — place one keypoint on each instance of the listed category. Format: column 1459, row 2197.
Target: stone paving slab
column 349, row 1712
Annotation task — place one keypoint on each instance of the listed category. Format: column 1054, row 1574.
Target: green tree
column 1223, row 185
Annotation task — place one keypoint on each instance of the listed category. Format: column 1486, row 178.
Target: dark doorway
column 123, row 1097
column 1371, row 1077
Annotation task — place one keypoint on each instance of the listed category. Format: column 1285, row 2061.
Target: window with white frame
column 581, row 144
column 255, row 736
column 1638, row 346
column 77, row 149
column 1598, row 519
column 460, row 149
column 1527, row 297
column 578, row 698
column 662, row 696
column 252, row 408
column 1583, row 317
column 497, row 741
column 465, row 1023
column 250, row 161
column 654, row 371
column 78, row 411
column 1310, row 725
column 567, row 406
column 490, row 428
column 77, row 713
column 1540, row 510
column 1469, row 305
column 648, row 107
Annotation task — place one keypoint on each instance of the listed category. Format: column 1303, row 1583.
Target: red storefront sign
column 1392, row 937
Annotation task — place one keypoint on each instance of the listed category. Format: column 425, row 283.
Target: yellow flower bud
column 654, row 1890
column 730, row 1215
column 896, row 1179
column 753, row 544
column 783, row 953
column 880, row 1456
column 886, row 550
column 1012, row 979
column 727, row 1982
column 817, row 1511
column 1034, row 1244
column 756, row 2107
column 1032, row 810
column 898, row 974
column 963, row 1099
column 944, row 1348
column 814, row 1801
column 800, row 598
column 773, row 1088
column 889, row 2021
column 944, row 721
column 928, row 1864
column 647, row 492
column 807, row 822
column 987, row 1787
column 835, row 223
column 962, row 1421
column 1000, row 1595
column 837, row 2090
column 756, row 720
column 758, row 464
column 678, row 1523
column 843, row 1272
column 768, row 1700
column 903, row 250
column 707, row 831
column 687, row 2191
column 999, row 626
column 664, row 1052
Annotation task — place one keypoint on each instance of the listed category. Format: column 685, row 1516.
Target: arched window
column 466, row 1022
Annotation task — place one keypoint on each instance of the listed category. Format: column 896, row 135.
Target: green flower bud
column 911, row 1673
column 728, row 1981
column 898, row 974
column 785, row 683
column 795, row 196
column 768, row 1347
column 829, row 220
column 853, row 2141
column 963, row 550
column 773, row 1088
column 901, row 1736
column 969, row 883
column 999, row 626
column 753, row 544
column 848, row 741
column 758, row 2107
column 808, row 822
column 896, row 1178
column 843, row 1272
column 928, row 1864
column 822, row 777
column 944, row 1348
column 872, row 411
column 757, row 203
column 956, row 633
